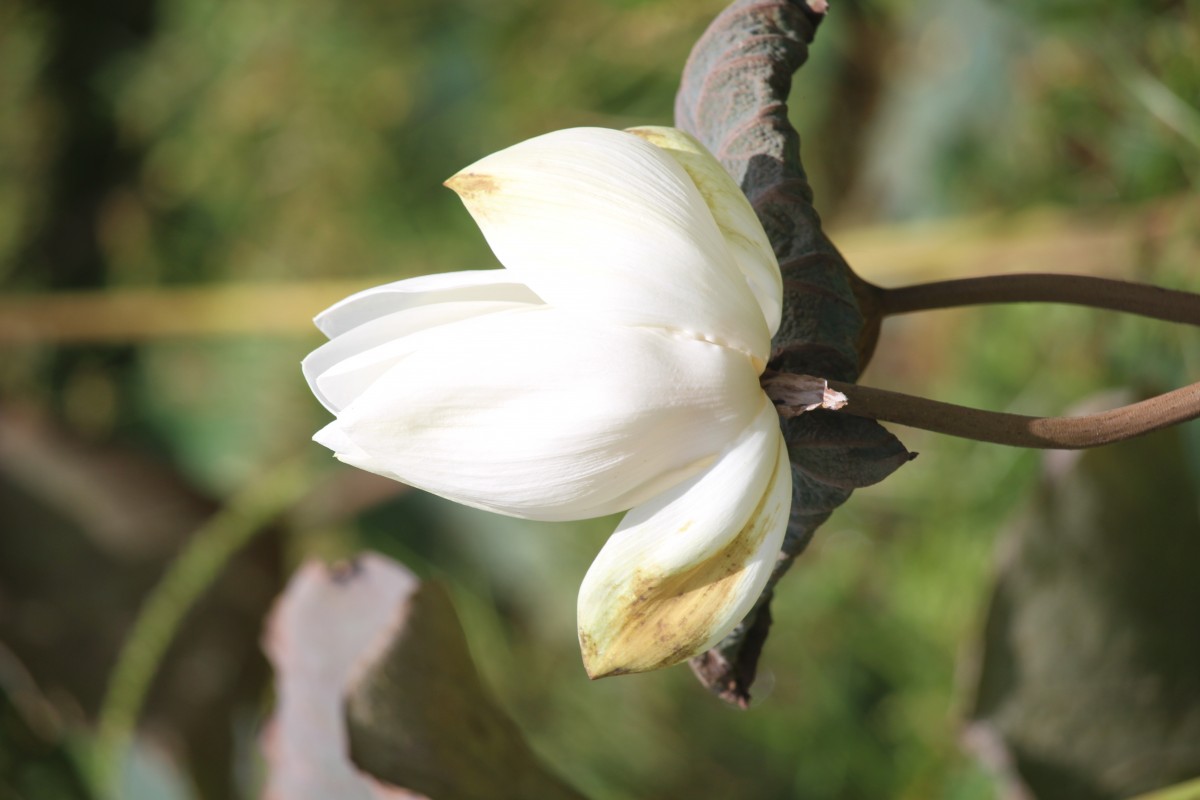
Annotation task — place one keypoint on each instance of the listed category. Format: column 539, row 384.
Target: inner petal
column 494, row 285
column 342, row 368
column 549, row 414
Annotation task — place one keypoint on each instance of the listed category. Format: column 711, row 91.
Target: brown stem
column 1062, row 433
column 1081, row 290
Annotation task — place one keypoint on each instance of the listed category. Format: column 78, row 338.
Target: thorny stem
column 1080, row 290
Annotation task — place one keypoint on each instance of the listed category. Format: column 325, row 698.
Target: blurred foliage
column 1085, row 666
column 154, row 143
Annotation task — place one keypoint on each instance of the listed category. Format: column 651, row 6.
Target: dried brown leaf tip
column 795, row 394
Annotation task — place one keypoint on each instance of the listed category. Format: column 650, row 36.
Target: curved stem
column 1064, row 433
column 193, row 571
column 1081, row 290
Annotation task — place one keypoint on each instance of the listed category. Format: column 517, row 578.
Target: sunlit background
column 184, row 183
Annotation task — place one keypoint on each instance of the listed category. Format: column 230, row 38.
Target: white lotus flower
column 612, row 365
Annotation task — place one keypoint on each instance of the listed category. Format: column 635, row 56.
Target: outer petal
column 361, row 307
column 343, row 368
column 733, row 214
column 600, row 220
column 682, row 570
column 548, row 414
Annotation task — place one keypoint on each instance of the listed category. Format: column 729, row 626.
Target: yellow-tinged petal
column 732, row 212
column 683, row 569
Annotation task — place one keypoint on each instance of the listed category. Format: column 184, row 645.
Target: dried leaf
column 795, row 394
column 376, row 690
column 323, row 628
column 419, row 715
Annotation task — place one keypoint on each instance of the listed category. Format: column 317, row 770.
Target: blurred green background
column 184, row 183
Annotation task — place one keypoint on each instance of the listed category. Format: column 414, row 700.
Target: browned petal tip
column 471, row 184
